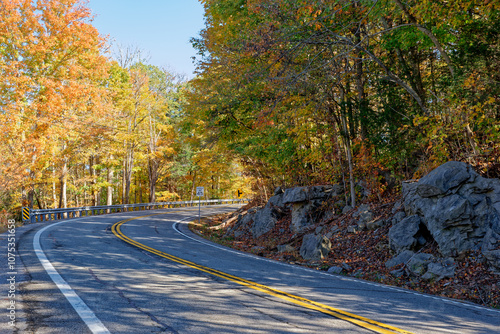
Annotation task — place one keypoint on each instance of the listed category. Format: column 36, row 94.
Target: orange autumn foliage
column 50, row 66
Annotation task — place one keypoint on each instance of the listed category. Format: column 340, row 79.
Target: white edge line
column 326, row 274
column 85, row 313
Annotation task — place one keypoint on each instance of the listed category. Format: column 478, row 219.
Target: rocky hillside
column 442, row 236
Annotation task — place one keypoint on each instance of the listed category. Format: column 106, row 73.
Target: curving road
column 145, row 272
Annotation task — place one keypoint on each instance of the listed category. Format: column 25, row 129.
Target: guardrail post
column 25, row 214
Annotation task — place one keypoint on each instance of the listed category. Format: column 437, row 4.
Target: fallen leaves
column 363, row 255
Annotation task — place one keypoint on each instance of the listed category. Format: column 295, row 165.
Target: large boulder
column 459, row 208
column 315, row 247
column 449, row 221
column 304, row 215
column 242, row 224
column 306, row 204
column 304, row 194
column 265, row 219
column 445, row 178
column 404, row 235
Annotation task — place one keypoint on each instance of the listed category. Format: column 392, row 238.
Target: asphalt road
column 145, row 272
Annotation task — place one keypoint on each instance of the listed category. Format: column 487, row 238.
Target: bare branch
column 429, row 34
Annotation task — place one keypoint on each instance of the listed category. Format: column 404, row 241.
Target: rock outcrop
column 306, row 204
column 303, row 202
column 454, row 206
column 265, row 218
column 405, row 234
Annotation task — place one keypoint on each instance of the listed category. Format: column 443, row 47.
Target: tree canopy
column 324, row 91
column 82, row 127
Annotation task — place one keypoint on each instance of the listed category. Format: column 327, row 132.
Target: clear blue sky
column 161, row 28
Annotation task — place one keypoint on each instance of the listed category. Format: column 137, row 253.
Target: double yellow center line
column 312, row 305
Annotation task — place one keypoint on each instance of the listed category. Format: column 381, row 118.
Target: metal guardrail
column 41, row 215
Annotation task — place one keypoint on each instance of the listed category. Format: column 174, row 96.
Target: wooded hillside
column 356, row 91
column 360, row 92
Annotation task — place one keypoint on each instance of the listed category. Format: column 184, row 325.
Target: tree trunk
column 128, row 164
column 362, row 102
column 347, row 146
column 54, row 196
column 40, row 205
column 123, row 179
column 136, row 190
column 153, row 178
column 343, row 129
column 97, row 173
column 128, row 174
column 30, row 198
column 92, row 180
column 109, row 195
column 109, row 199
column 63, row 201
column 470, row 137
column 140, row 189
